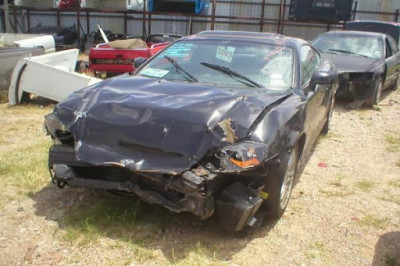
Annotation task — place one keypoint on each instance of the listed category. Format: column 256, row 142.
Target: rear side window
column 388, row 49
column 393, row 45
column 310, row 60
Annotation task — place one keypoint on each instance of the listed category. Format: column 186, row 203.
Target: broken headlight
column 57, row 130
column 237, row 157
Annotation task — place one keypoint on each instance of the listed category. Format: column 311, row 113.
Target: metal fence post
column 262, row 16
column 214, row 5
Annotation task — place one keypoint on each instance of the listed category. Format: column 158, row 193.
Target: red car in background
column 117, row 57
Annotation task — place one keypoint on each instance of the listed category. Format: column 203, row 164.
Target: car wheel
column 325, row 129
column 376, row 98
column 280, row 189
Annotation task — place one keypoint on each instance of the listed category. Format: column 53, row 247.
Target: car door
column 316, row 108
column 396, row 58
column 391, row 61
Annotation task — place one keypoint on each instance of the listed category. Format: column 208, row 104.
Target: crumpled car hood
column 352, row 64
column 154, row 125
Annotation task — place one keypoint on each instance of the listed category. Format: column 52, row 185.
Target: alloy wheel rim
column 287, row 183
column 379, row 93
column 398, row 83
column 331, row 109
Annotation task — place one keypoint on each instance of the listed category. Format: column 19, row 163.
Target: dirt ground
column 345, row 208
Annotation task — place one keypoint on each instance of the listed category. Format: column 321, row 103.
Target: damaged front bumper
column 197, row 191
column 185, row 194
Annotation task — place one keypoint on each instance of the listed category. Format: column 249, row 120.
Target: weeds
column 394, row 183
column 338, row 180
column 316, row 249
column 372, row 221
column 337, row 193
column 393, row 141
column 365, row 185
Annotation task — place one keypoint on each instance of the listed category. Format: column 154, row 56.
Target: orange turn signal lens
column 246, row 164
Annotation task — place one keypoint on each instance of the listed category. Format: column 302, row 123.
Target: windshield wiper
column 233, row 73
column 341, row 51
column 179, row 67
column 347, row 52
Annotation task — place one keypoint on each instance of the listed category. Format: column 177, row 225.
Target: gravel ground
column 345, row 208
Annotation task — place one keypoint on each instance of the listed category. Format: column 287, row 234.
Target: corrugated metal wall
column 245, row 8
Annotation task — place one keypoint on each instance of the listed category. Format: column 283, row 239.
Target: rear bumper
column 110, row 68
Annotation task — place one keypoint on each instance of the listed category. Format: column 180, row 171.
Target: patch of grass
column 335, row 193
column 3, row 96
column 25, row 169
column 373, row 221
column 115, row 217
column 392, row 199
column 365, row 185
column 330, row 135
column 394, row 183
column 393, row 141
column 317, row 249
column 199, row 255
column 337, row 182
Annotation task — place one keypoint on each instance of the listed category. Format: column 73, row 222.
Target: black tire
column 279, row 187
column 326, row 127
column 26, row 97
column 376, row 98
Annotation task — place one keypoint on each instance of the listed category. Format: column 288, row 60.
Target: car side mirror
column 138, row 62
column 322, row 78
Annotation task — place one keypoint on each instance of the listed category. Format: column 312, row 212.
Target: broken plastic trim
column 246, row 164
column 238, row 157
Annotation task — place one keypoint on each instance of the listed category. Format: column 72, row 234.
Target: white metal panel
column 8, row 39
column 45, row 41
column 50, row 76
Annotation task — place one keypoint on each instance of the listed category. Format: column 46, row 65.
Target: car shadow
column 343, row 106
column 387, row 250
column 85, row 213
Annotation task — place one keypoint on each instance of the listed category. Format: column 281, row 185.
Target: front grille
column 158, row 183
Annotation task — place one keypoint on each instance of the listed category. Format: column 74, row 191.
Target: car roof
column 355, row 33
column 265, row 37
column 375, row 22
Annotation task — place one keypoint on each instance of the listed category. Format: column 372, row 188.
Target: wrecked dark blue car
column 367, row 63
column 215, row 123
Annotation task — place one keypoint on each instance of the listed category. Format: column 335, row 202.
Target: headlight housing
column 237, row 157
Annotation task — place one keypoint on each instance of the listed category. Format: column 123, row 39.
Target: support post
column 58, row 18
column 87, row 22
column 78, row 22
column 15, row 12
column 283, row 17
column 144, row 19
column 355, row 10
column 262, row 16
column 396, row 15
column 214, row 6
column 28, row 18
column 125, row 23
column 149, row 25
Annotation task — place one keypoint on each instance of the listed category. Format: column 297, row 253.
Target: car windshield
column 224, row 63
column 366, row 46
